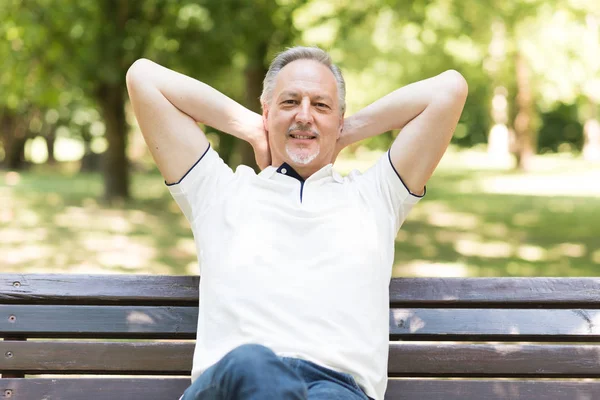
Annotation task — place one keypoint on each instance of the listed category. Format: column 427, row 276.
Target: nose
column 304, row 115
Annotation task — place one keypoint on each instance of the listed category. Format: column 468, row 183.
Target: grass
column 479, row 218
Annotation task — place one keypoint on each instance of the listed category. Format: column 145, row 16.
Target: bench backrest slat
column 98, row 289
column 138, row 322
column 407, row 359
column 94, row 389
column 495, row 292
column 404, row 292
column 473, row 330
column 422, row 389
column 127, row 322
column 491, row 323
column 493, row 360
column 425, row 389
column 125, row 358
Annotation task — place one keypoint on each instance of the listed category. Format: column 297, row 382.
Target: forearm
column 201, row 102
column 396, row 109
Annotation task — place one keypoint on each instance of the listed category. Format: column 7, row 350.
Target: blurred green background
column 517, row 193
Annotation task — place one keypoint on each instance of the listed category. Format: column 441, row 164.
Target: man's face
column 303, row 118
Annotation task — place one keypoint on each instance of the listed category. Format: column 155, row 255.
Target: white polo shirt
column 302, row 267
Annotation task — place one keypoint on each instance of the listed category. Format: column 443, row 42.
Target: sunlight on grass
column 12, row 178
column 449, row 219
column 596, row 256
column 14, row 236
column 81, row 218
column 517, row 231
column 551, row 175
column 67, row 230
column 479, row 218
column 495, row 229
column 424, row 268
column 536, row 185
column 125, row 251
column 438, row 213
column 532, row 253
column 491, row 249
column 26, row 253
column 569, row 249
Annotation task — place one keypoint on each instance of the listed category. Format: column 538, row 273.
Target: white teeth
column 302, row 137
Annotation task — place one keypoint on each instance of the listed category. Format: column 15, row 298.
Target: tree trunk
column 591, row 134
column 499, row 135
column 90, row 162
column 50, row 140
column 110, row 94
column 14, row 136
column 114, row 163
column 525, row 136
column 15, row 154
column 253, row 75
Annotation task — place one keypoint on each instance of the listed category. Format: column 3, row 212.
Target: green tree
column 500, row 47
column 92, row 44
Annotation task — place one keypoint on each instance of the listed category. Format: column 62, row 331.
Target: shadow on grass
column 54, row 223
column 460, row 230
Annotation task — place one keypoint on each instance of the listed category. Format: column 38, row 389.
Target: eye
column 322, row 105
column 289, row 101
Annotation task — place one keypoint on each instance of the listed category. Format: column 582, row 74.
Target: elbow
column 454, row 85
column 138, row 72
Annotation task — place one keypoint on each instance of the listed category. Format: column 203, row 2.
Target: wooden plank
column 8, row 356
column 431, row 389
column 39, row 321
column 495, row 324
column 404, row 292
column 94, row 388
column 496, row 292
column 493, row 360
column 98, row 289
column 398, row 389
column 406, row 359
column 125, row 358
column 135, row 322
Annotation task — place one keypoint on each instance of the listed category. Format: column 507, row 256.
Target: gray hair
column 302, row 53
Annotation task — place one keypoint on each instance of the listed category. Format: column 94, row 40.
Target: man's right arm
column 168, row 105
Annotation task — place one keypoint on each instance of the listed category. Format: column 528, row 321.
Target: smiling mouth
column 302, row 136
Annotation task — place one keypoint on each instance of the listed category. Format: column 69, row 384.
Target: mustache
column 302, row 128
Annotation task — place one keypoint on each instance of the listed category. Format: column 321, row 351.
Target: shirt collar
column 288, row 170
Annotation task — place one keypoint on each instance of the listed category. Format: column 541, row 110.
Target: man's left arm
column 427, row 113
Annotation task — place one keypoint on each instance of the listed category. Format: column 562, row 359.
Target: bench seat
column 132, row 336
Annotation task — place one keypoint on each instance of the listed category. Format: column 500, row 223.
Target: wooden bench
column 450, row 339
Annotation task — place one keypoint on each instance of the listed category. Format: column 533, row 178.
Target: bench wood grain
column 450, row 338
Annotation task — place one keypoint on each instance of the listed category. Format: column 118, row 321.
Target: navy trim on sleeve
column 201, row 157
column 397, row 174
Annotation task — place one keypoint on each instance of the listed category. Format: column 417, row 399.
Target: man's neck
column 305, row 171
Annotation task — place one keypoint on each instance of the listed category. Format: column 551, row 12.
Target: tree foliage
column 64, row 59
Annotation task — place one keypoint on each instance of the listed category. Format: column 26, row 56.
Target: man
column 296, row 260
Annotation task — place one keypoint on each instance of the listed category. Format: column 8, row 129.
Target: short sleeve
column 387, row 185
column 200, row 186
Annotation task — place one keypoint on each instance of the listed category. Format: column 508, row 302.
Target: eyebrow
column 292, row 93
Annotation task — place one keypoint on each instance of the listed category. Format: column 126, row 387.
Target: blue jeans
column 255, row 372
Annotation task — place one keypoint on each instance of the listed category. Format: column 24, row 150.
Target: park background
column 517, row 193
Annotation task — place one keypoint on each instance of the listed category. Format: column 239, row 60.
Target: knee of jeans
column 250, row 352
column 249, row 357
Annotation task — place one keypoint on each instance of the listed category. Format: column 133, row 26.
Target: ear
column 265, row 116
column 341, row 126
